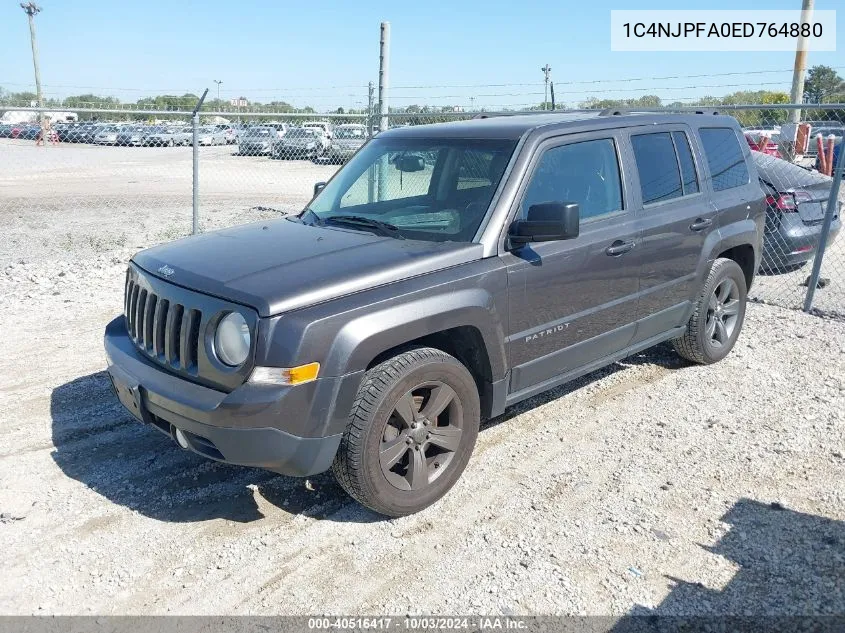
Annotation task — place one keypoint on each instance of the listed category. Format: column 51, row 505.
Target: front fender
column 362, row 339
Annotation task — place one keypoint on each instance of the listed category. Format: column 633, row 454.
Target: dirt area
column 648, row 487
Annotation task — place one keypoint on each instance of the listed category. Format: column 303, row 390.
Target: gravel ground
column 648, row 487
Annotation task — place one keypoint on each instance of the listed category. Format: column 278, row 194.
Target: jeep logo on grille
column 166, row 270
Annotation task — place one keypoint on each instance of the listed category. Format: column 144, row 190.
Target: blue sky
column 323, row 54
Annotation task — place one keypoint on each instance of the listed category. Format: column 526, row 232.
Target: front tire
column 719, row 313
column 411, row 432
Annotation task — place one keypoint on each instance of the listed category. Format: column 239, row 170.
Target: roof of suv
column 517, row 125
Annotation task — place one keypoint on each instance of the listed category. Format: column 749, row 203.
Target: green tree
column 822, row 83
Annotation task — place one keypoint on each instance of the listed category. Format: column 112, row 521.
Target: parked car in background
column 86, row 132
column 755, row 141
column 209, row 135
column 281, row 128
column 168, row 136
column 257, row 141
column 132, row 135
column 228, row 133
column 70, row 132
column 302, row 142
column 107, row 135
column 347, row 140
column 6, row 130
column 325, row 126
column 796, row 201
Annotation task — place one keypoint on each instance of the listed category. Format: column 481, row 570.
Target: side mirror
column 318, row 187
column 547, row 222
column 410, row 163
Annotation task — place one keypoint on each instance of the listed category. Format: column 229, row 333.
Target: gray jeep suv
column 444, row 273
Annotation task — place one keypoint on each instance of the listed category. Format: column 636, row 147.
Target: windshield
column 301, row 133
column 429, row 189
column 342, row 133
column 261, row 131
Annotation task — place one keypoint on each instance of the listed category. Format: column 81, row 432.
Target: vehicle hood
column 281, row 265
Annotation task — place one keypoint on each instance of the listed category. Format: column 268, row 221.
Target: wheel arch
column 463, row 323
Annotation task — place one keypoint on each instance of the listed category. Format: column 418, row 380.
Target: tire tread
column 348, row 464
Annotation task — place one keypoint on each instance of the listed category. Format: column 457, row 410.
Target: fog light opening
column 181, row 438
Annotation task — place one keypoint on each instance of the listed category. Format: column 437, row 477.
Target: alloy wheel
column 722, row 312
column 421, row 436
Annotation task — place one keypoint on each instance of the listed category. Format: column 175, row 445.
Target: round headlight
column 232, row 339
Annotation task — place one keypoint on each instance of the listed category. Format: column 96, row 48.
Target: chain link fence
column 115, row 179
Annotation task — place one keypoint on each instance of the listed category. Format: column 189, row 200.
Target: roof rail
column 621, row 111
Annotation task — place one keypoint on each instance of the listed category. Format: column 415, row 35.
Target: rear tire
column 411, row 432
column 719, row 313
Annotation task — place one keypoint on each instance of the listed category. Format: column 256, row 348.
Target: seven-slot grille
column 164, row 330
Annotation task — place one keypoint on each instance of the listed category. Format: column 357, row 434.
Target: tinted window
column 686, row 162
column 658, row 167
column 586, row 173
column 724, row 156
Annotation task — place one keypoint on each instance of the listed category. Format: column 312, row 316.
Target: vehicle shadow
column 662, row 355
column 790, row 564
column 98, row 443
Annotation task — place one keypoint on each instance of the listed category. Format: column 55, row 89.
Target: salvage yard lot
column 651, row 485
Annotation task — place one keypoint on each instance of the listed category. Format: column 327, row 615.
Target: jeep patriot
column 444, row 273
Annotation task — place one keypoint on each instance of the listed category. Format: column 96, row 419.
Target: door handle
column 619, row 247
column 700, row 224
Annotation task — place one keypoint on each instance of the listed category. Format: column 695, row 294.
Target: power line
column 601, row 81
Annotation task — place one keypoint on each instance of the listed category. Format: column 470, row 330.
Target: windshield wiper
column 384, row 228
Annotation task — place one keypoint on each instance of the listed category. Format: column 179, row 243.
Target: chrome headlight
column 232, row 340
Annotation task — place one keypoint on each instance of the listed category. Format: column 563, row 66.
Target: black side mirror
column 318, row 187
column 547, row 222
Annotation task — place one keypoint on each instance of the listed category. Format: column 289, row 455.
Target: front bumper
column 244, row 427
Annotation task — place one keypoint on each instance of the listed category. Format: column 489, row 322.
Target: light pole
column 218, row 82
column 546, row 70
column 31, row 9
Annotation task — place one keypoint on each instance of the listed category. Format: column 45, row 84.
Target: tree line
column 823, row 85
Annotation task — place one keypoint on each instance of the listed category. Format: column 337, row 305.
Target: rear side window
column 724, row 156
column 586, row 173
column 660, row 178
column 690, row 181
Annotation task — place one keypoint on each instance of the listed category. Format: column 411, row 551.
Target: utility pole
column 31, row 9
column 371, row 91
column 546, row 70
column 371, row 173
column 218, row 82
column 384, row 75
column 797, row 93
column 383, row 106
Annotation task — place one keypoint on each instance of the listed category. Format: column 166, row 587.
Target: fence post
column 195, row 124
column 832, row 205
